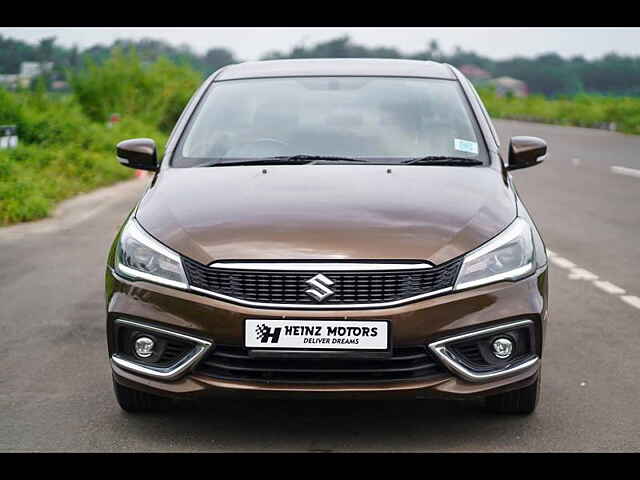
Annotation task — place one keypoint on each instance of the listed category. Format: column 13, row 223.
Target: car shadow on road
column 327, row 425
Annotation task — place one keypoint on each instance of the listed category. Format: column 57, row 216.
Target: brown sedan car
column 329, row 228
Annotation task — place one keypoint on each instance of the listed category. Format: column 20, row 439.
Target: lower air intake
column 406, row 364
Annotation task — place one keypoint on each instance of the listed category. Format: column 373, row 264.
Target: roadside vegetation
column 583, row 110
column 549, row 74
column 65, row 146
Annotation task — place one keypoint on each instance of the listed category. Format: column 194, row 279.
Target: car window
column 377, row 118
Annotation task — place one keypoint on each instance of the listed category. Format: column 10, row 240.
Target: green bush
column 39, row 119
column 34, row 177
column 155, row 93
column 65, row 146
column 583, row 110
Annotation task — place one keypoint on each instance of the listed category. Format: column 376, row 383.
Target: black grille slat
column 214, row 365
column 361, row 287
column 174, row 350
column 406, row 363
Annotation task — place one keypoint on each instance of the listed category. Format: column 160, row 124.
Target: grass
column 61, row 153
column 583, row 110
column 65, row 147
column 34, row 178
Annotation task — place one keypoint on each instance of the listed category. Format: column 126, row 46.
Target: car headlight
column 508, row 256
column 140, row 256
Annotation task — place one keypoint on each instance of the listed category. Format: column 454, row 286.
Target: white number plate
column 317, row 334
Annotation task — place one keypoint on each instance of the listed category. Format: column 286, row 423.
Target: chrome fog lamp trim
column 171, row 372
column 448, row 358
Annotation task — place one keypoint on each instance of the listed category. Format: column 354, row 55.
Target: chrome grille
column 349, row 287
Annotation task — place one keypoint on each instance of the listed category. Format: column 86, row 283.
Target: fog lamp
column 144, row 347
column 502, row 347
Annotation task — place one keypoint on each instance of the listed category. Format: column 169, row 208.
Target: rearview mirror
column 138, row 153
column 526, row 152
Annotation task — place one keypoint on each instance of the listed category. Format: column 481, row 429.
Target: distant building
column 474, row 73
column 33, row 69
column 508, row 85
column 10, row 81
column 8, row 136
column 59, row 85
column 28, row 71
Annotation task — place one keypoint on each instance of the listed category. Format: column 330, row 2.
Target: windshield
column 377, row 119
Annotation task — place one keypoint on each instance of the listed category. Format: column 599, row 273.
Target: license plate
column 317, row 334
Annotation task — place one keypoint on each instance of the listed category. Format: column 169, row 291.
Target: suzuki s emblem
column 320, row 289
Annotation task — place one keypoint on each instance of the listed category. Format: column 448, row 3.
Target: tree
column 45, row 49
column 549, row 73
column 434, row 49
column 74, row 57
column 216, row 58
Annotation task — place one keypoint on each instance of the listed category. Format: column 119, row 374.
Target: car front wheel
column 523, row 400
column 134, row 401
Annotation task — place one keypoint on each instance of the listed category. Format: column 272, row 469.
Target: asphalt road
column 55, row 383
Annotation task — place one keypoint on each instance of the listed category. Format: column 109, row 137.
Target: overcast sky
column 251, row 43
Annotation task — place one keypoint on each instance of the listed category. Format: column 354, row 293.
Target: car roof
column 336, row 66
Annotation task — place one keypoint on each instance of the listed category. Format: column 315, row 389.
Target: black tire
column 522, row 401
column 134, row 401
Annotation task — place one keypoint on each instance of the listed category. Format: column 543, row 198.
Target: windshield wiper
column 324, row 158
column 291, row 159
column 442, row 160
column 256, row 161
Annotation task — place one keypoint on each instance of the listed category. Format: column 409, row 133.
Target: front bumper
column 425, row 322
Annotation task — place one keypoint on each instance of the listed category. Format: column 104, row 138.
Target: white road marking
column 631, row 300
column 562, row 262
column 610, row 287
column 577, row 273
column 631, row 172
column 582, row 274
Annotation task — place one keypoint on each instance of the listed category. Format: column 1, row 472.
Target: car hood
column 326, row 212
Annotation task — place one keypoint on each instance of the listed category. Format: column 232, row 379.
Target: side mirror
column 138, row 153
column 526, row 152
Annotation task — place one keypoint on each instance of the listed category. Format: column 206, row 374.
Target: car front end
column 292, row 277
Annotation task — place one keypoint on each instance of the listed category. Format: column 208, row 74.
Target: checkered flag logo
column 261, row 330
column 264, row 333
